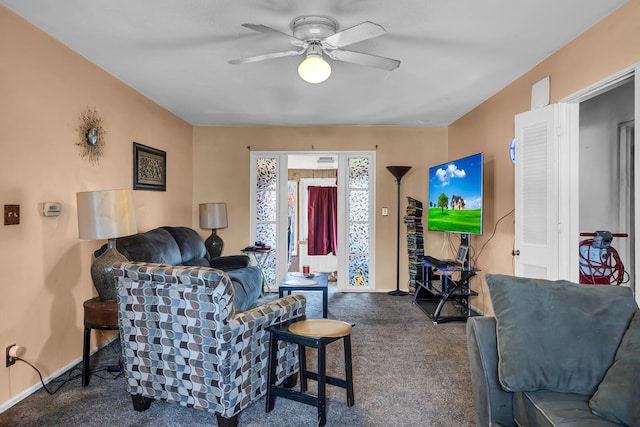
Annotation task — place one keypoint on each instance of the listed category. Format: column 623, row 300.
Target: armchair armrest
column 493, row 405
column 255, row 320
column 243, row 357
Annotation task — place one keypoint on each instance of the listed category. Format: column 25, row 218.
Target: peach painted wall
column 608, row 47
column 222, row 166
column 45, row 268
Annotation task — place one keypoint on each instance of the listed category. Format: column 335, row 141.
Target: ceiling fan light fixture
column 314, row 69
column 316, row 36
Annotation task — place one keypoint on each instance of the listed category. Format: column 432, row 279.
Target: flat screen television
column 455, row 196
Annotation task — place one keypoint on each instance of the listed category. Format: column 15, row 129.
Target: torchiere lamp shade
column 213, row 216
column 398, row 171
column 106, row 214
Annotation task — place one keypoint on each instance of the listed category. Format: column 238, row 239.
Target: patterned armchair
column 183, row 342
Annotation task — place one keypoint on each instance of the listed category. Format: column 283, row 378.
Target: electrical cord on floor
column 66, row 380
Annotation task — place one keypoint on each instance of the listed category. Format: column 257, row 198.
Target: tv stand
column 443, row 298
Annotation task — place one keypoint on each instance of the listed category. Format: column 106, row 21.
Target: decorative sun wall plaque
column 91, row 135
column 149, row 168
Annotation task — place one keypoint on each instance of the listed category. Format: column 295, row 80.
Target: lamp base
column 102, row 272
column 214, row 244
column 397, row 293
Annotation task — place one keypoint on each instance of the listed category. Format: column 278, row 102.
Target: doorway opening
column 280, row 183
column 599, row 122
column 606, row 171
column 591, row 191
column 312, row 172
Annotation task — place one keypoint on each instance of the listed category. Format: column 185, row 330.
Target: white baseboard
column 37, row 386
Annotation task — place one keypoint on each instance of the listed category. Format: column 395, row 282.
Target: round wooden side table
column 98, row 314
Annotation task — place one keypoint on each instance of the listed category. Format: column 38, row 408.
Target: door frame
column 343, row 219
column 569, row 131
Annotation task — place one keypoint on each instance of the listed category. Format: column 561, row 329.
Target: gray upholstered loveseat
column 183, row 246
column 556, row 354
column 184, row 342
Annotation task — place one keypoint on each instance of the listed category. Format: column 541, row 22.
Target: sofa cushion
column 617, row 396
column 557, row 335
column 549, row 409
column 192, row 248
column 155, row 246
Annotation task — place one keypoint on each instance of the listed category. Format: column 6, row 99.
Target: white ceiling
column 454, row 54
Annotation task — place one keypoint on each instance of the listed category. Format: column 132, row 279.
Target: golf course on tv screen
column 455, row 196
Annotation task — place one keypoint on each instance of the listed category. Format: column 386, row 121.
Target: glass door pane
column 266, row 211
column 359, row 224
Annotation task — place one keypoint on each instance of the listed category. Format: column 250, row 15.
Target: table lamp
column 213, row 216
column 106, row 214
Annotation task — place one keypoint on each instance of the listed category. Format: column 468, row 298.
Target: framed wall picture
column 149, row 168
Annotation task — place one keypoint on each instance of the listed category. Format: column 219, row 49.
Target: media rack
column 415, row 241
column 440, row 296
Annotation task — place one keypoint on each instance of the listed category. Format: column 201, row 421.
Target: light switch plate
column 385, row 211
column 11, row 214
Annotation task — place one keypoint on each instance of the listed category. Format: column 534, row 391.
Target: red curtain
column 323, row 220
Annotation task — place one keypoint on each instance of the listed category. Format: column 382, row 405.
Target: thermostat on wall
column 51, row 208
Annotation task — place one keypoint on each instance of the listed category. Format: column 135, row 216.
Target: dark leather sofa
column 183, row 246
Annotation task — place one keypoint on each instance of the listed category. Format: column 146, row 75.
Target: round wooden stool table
column 98, row 314
column 314, row 333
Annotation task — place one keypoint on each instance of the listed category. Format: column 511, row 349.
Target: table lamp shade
column 106, row 214
column 213, row 215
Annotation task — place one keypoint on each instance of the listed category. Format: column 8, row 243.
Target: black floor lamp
column 398, row 172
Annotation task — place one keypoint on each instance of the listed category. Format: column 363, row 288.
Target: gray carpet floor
column 407, row 372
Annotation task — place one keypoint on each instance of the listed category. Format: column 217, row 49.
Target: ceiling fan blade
column 267, row 56
column 364, row 59
column 270, row 31
column 357, row 33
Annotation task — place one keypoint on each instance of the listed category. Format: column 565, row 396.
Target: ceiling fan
column 315, row 36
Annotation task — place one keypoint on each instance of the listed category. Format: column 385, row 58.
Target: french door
column 356, row 219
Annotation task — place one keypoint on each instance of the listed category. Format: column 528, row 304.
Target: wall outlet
column 9, row 360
